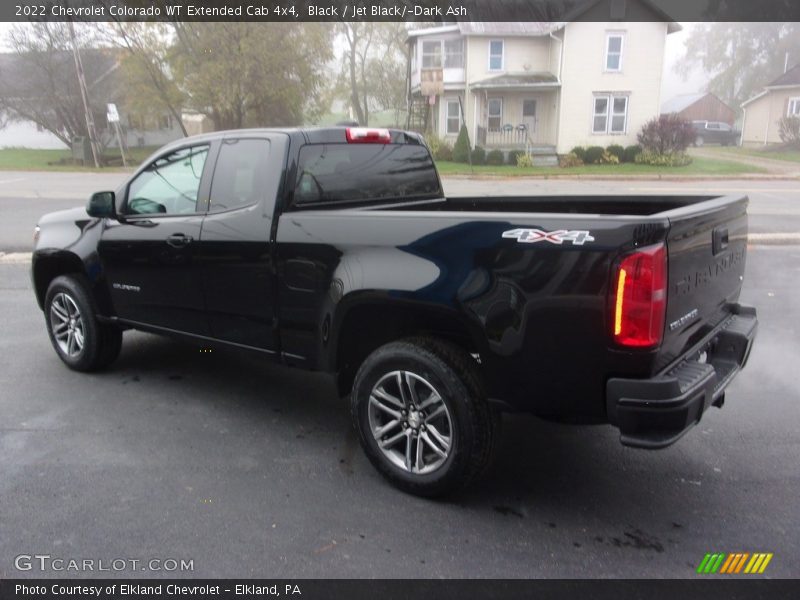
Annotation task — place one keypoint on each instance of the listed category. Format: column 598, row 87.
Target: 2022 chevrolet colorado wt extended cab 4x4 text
column 334, row 249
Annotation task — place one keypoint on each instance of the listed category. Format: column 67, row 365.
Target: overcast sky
column 671, row 83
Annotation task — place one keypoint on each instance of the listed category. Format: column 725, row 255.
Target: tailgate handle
column 720, row 239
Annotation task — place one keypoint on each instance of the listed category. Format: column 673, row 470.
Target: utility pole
column 85, row 96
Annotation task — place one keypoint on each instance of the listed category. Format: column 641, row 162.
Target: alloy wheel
column 66, row 323
column 410, row 422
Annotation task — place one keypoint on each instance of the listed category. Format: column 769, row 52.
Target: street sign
column 112, row 115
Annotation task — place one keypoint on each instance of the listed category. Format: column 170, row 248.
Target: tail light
column 365, row 135
column 640, row 298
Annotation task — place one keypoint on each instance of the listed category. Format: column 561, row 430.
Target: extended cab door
column 238, row 265
column 149, row 253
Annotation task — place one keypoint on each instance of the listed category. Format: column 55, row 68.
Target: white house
column 544, row 86
column 763, row 112
column 21, row 85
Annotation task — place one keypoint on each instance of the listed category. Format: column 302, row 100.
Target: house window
column 496, row 55
column 495, row 114
column 794, row 108
column 431, row 54
column 454, row 54
column 614, row 42
column 453, row 124
column 610, row 113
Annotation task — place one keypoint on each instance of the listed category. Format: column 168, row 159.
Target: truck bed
column 576, row 204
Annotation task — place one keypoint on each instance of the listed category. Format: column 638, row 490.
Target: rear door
column 238, row 270
column 707, row 247
column 149, row 253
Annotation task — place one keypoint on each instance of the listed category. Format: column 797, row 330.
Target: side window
column 614, row 43
column 496, row 55
column 240, row 174
column 454, row 54
column 169, row 185
column 431, row 54
column 453, row 117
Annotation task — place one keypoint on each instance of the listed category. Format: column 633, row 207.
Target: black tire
column 473, row 424
column 101, row 343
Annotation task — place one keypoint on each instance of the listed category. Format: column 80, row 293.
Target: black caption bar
column 400, row 10
column 316, row 589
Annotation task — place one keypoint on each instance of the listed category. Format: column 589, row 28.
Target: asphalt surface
column 251, row 469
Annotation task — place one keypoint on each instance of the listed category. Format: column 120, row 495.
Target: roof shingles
column 791, row 77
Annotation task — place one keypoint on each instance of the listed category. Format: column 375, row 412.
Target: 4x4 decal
column 531, row 236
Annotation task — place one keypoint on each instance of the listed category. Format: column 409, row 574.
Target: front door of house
column 529, row 118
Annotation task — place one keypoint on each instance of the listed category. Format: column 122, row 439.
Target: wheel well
column 48, row 268
column 366, row 328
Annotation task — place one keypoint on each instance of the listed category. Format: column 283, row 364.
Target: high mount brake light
column 366, row 135
column 640, row 298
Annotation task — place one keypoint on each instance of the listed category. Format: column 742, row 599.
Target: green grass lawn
column 787, row 155
column 698, row 167
column 27, row 159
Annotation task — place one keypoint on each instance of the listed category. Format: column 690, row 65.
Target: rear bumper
column 656, row 412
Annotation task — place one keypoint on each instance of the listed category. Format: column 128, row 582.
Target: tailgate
column 707, row 246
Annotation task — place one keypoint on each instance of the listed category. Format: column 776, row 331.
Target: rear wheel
column 422, row 416
column 81, row 342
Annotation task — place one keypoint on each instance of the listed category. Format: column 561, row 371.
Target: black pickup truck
column 334, row 249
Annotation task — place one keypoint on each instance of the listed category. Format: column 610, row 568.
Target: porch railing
column 508, row 135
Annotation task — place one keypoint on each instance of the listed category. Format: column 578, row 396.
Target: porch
column 516, row 119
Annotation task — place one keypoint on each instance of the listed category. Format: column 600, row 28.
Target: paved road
column 25, row 196
column 251, row 469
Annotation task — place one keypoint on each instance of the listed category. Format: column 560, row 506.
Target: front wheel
column 422, row 416
column 81, row 342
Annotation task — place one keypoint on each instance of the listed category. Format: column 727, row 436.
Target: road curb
column 15, row 258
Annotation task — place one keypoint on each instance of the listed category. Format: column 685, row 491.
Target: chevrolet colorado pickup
column 335, row 249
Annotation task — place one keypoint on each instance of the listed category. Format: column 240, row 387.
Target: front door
column 149, row 253
column 530, row 118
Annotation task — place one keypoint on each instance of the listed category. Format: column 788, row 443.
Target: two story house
column 542, row 86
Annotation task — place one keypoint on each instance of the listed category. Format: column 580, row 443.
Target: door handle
column 179, row 240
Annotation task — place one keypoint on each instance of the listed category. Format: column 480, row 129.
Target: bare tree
column 38, row 81
column 146, row 66
column 373, row 67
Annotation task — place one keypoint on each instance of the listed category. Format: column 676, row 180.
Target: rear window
column 363, row 172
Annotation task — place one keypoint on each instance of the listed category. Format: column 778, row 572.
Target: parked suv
column 715, row 132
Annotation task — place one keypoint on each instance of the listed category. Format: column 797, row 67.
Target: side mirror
column 101, row 205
